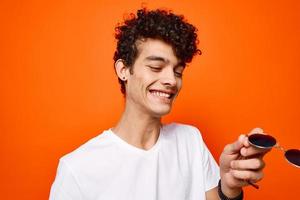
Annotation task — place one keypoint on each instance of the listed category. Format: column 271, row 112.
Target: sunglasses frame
column 274, row 145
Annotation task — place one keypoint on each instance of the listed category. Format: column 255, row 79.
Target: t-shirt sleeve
column 211, row 171
column 65, row 185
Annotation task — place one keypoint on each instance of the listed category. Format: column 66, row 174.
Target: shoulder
column 182, row 130
column 185, row 134
column 87, row 153
column 78, row 169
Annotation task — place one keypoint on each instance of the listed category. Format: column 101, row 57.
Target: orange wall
column 58, row 87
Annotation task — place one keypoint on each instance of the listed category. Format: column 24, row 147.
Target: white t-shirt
column 178, row 167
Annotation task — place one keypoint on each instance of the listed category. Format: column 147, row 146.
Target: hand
column 235, row 171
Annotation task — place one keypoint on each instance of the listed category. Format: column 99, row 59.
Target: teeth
column 161, row 94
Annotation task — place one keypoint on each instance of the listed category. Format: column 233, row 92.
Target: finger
column 234, row 182
column 241, row 183
column 235, row 147
column 256, row 130
column 249, row 164
column 253, row 151
column 253, row 176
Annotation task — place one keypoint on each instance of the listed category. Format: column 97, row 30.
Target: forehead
column 155, row 47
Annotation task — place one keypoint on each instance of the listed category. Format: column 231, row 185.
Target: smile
column 162, row 94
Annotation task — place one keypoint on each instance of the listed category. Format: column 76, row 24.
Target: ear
column 121, row 69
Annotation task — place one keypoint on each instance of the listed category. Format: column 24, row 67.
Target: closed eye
column 178, row 71
column 178, row 74
column 155, row 68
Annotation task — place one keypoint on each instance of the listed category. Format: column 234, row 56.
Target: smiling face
column 156, row 78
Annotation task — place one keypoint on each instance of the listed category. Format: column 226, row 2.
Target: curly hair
column 157, row 24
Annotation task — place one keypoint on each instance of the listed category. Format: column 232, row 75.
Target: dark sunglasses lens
column 262, row 141
column 293, row 156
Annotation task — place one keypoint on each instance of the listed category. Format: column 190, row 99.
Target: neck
column 138, row 129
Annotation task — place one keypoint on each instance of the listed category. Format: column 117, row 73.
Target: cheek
column 138, row 84
column 145, row 80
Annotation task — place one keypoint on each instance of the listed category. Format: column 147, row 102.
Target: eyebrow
column 157, row 58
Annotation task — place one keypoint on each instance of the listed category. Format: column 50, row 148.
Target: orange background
column 58, row 87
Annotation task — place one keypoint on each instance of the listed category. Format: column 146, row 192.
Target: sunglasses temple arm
column 253, row 184
column 277, row 146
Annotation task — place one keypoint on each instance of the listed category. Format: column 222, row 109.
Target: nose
column 168, row 78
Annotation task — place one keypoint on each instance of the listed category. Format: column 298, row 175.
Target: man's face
column 156, row 79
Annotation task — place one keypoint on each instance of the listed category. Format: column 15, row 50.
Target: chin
column 160, row 112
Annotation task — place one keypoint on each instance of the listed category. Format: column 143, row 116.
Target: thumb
column 256, row 130
column 235, row 147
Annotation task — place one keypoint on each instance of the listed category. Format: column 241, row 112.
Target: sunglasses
column 267, row 142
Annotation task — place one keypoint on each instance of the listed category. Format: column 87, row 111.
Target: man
column 140, row 158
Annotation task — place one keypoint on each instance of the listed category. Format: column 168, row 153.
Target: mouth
column 164, row 95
